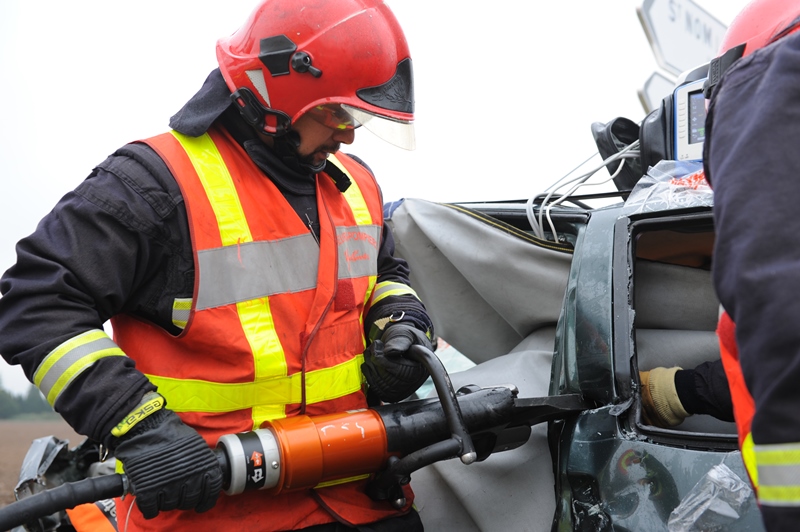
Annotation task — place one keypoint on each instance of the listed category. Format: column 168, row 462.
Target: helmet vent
column 275, row 54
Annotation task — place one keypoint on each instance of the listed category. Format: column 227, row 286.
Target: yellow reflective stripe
column 181, row 308
column 749, row 459
column 373, row 279
column 262, row 413
column 254, row 315
column 259, row 329
column 353, row 196
column 778, row 454
column 219, row 187
column 334, row 382
column 367, row 296
column 381, row 291
column 70, row 359
column 187, row 395
column 391, row 288
column 268, row 355
column 779, row 495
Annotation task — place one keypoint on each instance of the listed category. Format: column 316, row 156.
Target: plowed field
column 15, row 439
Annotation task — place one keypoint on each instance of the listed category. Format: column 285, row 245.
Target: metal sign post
column 682, row 34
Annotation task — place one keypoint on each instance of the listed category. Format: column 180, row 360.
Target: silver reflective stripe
column 251, row 270
column 389, row 288
column 358, row 250
column 62, row 365
column 778, row 475
column 181, row 309
column 248, row 271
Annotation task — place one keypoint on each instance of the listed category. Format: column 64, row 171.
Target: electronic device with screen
column 675, row 131
column 689, row 107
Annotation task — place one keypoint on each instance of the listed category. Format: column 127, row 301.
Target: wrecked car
column 559, row 297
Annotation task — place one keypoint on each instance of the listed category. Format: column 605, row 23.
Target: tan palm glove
column 661, row 406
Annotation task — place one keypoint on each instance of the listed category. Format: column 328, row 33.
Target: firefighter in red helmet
column 752, row 162
column 244, row 265
column 319, row 59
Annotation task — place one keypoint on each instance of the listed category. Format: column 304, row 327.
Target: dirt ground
column 15, row 439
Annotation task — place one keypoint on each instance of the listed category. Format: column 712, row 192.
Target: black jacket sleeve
column 112, row 245
column 753, row 163
column 704, row 390
column 395, row 269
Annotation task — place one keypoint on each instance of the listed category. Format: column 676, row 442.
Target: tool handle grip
column 444, row 388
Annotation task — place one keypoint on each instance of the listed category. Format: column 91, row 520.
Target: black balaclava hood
column 213, row 98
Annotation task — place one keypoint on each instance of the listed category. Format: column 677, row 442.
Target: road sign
column 655, row 88
column 682, row 34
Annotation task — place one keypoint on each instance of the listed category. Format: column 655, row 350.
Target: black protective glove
column 169, row 465
column 391, row 376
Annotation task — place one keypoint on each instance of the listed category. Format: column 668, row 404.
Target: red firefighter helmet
column 759, row 23
column 344, row 61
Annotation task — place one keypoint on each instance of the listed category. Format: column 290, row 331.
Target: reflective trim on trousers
column 778, row 474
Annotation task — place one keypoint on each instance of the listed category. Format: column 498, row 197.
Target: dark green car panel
column 613, row 471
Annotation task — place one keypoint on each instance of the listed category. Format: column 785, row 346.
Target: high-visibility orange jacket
column 100, row 516
column 275, row 324
column 743, row 405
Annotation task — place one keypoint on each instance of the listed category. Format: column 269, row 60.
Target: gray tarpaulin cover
column 495, row 295
column 486, row 289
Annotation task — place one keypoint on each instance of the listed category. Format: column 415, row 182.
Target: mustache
column 330, row 147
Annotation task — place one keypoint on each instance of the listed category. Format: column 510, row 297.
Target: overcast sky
column 506, row 92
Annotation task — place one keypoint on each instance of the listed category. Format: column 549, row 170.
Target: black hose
column 444, row 388
column 386, row 483
column 63, row 497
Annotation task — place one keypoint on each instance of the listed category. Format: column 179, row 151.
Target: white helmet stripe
column 257, row 79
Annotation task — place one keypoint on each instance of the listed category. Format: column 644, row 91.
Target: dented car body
column 610, row 291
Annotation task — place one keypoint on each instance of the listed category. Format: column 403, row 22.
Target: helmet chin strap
column 286, row 141
column 286, row 147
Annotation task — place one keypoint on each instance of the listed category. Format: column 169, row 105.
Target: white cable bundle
column 631, row 151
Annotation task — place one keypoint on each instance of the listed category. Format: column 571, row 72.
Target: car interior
column 676, row 309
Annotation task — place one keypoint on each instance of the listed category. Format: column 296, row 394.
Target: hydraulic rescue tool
column 388, row 442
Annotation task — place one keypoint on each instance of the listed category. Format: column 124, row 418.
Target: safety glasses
column 332, row 115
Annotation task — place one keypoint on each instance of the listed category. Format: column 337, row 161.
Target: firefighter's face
column 318, row 140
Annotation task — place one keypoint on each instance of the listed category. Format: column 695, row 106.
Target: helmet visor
column 397, row 132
